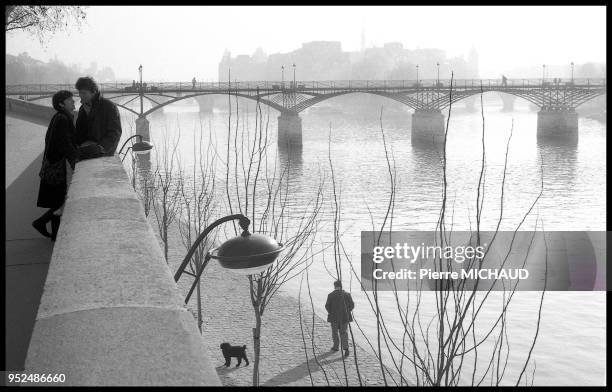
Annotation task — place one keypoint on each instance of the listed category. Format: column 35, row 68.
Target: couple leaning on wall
column 96, row 133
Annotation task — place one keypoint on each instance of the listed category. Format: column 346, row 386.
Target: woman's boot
column 55, row 223
column 40, row 224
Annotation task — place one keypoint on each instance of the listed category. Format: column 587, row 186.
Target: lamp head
column 142, row 147
column 248, row 253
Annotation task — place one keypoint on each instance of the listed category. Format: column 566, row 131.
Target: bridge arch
column 305, row 104
column 276, row 106
column 577, row 97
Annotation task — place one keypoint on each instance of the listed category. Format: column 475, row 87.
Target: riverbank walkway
column 27, row 253
column 228, row 316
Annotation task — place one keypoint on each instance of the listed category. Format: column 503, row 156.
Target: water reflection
column 427, row 160
column 559, row 160
column 290, row 157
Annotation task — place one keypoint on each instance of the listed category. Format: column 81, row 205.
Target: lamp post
column 438, row 64
column 572, row 73
column 417, row 67
column 543, row 73
column 294, row 86
column 246, row 254
column 282, row 76
column 141, row 94
column 141, row 147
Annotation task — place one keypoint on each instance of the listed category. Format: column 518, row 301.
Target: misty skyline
column 178, row 43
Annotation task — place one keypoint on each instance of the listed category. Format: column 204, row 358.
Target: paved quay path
column 27, row 253
column 228, row 317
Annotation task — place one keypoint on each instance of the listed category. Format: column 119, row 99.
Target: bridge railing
column 150, row 87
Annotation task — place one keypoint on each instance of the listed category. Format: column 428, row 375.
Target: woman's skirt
column 54, row 196
column 51, row 196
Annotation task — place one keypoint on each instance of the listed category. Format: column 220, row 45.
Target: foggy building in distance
column 325, row 60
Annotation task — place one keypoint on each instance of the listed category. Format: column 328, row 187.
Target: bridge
column 556, row 98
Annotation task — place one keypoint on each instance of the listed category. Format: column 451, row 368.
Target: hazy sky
column 177, row 43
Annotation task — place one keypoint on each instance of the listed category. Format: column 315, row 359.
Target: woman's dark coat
column 59, row 145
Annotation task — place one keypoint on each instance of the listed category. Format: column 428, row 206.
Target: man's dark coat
column 339, row 305
column 102, row 125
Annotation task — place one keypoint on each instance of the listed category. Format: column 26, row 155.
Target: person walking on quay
column 339, row 306
column 60, row 151
column 98, row 125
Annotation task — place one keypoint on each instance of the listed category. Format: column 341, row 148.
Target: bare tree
column 197, row 193
column 41, row 20
column 147, row 190
column 166, row 201
column 259, row 189
column 442, row 346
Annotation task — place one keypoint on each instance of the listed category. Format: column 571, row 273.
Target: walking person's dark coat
column 339, row 306
column 102, row 124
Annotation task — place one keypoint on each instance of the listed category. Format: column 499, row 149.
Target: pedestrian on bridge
column 59, row 158
column 193, row 82
column 504, row 81
column 339, row 306
column 98, row 125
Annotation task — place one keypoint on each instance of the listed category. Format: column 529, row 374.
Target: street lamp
column 246, row 254
column 140, row 72
column 543, row 72
column 438, row 64
column 282, row 76
column 141, row 147
column 294, row 86
column 572, row 72
column 417, row 67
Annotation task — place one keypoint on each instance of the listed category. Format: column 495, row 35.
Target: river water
column 571, row 344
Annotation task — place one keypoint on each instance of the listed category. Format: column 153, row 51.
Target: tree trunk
column 165, row 231
column 256, row 341
column 199, row 307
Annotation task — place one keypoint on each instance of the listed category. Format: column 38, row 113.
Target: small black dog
column 237, row 352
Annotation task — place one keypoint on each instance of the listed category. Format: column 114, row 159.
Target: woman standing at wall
column 59, row 159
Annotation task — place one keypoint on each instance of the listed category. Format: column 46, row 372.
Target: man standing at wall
column 98, row 123
column 339, row 306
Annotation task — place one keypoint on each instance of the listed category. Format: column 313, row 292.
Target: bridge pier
column 428, row 126
column 558, row 124
column 205, row 102
column 470, row 103
column 508, row 101
column 289, row 129
column 142, row 128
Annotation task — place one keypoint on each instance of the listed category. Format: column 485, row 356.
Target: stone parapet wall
column 111, row 313
column 25, row 108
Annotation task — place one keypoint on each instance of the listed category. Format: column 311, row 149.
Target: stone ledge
column 110, row 313
column 121, row 346
column 25, row 108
